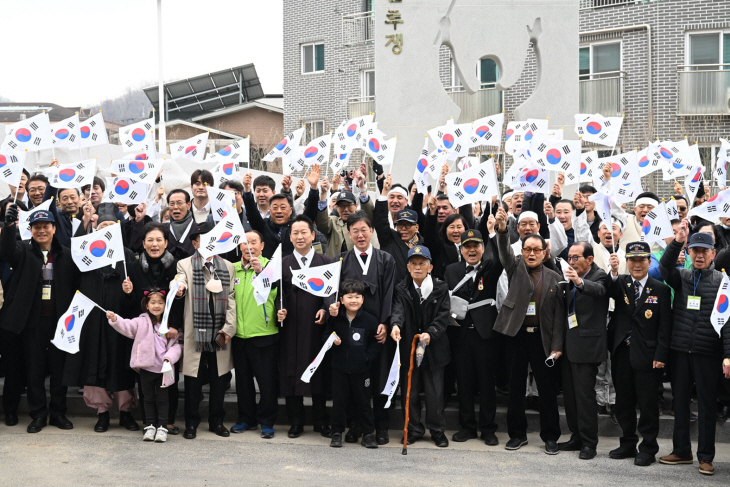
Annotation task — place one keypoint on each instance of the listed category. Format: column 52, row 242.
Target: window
column 312, row 58
column 367, row 83
column 599, row 58
column 709, row 48
column 486, row 71
column 312, row 130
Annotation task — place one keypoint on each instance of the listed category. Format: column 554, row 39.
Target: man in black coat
column 586, row 303
column 638, row 338
column 421, row 306
column 397, row 242
column 474, row 347
column 44, row 282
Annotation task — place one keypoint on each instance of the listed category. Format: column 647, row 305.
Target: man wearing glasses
column 533, row 318
column 36, row 187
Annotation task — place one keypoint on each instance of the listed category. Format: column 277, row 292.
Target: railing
column 360, row 106
column 704, row 89
column 602, row 93
column 591, row 4
column 357, row 28
column 486, row 101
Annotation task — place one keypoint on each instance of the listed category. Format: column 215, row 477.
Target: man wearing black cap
column 473, row 285
column 638, row 338
column 644, row 203
column 696, row 349
column 43, row 284
column 421, row 306
column 397, row 242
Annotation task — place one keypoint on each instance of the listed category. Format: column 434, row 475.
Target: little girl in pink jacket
column 150, row 351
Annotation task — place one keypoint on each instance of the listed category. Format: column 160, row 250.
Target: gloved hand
column 11, row 215
column 377, row 168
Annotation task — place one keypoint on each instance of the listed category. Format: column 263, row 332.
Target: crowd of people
column 527, row 295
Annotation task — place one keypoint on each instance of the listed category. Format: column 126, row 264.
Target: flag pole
column 161, row 85
column 92, row 302
column 124, row 262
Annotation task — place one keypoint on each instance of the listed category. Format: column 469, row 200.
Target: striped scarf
column 205, row 327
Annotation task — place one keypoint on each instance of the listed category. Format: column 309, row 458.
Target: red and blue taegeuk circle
column 678, row 165
column 666, row 153
column 85, row 131
column 422, row 164
column 190, row 149
column 448, row 141
column 122, row 187
column 282, row 144
column 138, row 134
column 22, row 134
column 698, row 175
column 644, row 161
column 310, row 152
column 140, row 157
column 226, row 151
column 593, row 128
column 136, row 167
column 228, row 169
column 61, row 134
column 343, row 156
column 66, row 175
column 529, row 175
column 97, row 248
column 482, row 131
column 351, row 130
column 68, row 323
column 374, row 145
column 224, row 237
column 3, row 160
column 471, row 185
column 528, row 135
column 315, row 283
column 616, row 169
column 509, row 134
column 554, row 156
column 646, row 227
column 583, row 168
column 722, row 303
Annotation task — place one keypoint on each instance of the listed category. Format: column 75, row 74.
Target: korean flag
column 99, row 249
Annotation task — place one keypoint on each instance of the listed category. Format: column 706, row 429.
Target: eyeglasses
column 175, row 204
column 573, row 258
column 360, row 232
column 528, row 251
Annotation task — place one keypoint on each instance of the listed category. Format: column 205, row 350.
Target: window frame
column 590, row 46
column 688, row 46
column 364, row 83
column 453, row 75
column 309, row 133
column 313, row 45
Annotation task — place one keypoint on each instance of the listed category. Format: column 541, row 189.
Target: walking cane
column 408, row 395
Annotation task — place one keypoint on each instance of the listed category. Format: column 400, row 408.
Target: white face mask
column 214, row 286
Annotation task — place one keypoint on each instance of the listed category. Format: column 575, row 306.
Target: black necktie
column 364, row 257
column 469, row 268
column 637, row 292
column 304, row 261
column 420, row 295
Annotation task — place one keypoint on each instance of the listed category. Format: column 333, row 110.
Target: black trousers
column 156, row 399
column 11, row 353
column 579, row 395
column 702, row 370
column 207, row 372
column 353, row 389
column 252, row 361
column 636, row 387
column 173, row 393
column 476, row 365
column 41, row 355
column 523, row 349
column 295, row 410
column 431, row 383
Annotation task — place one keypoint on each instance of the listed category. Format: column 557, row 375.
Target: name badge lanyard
column 532, row 307
column 697, row 283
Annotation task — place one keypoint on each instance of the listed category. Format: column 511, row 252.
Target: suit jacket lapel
column 642, row 298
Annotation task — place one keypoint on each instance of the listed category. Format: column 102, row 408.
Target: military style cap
column 638, row 249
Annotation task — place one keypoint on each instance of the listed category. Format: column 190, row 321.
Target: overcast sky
column 79, row 52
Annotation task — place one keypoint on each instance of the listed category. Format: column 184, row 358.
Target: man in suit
column 638, row 338
column 532, row 317
column 586, row 302
column 474, row 347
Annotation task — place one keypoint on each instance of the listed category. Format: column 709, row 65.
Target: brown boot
column 673, row 459
column 706, row 468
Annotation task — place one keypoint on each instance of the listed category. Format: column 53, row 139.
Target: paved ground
column 82, row 457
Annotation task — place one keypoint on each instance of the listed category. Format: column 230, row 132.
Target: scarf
column 155, row 267
column 205, row 326
column 179, row 227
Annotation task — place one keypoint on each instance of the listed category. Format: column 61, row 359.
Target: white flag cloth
column 520, row 134
column 672, row 212
column 11, row 166
column 656, row 225
column 321, row 281
column 138, row 168
column 72, row 175
column 436, row 161
column 604, row 205
column 674, row 158
column 66, row 133
column 93, row 132
column 315, row 152
column 598, row 129
column 192, row 148
column 238, row 151
column 520, row 160
column 625, row 168
column 692, row 182
column 125, row 190
column 420, row 174
column 393, row 376
column 721, row 310
column 265, row 280
column 714, row 208
column 475, row 184
column 649, row 160
column 530, row 178
column 222, row 201
column 340, row 162
column 380, row 149
column 312, row 368
column 69, row 325
column 24, row 219
column 286, row 146
column 174, row 286
column 346, row 134
column 557, row 155
column 723, row 157
column 138, row 136
column 487, row 131
column 33, row 134
column 622, row 193
column 226, row 171
column 99, row 249
column 588, row 166
column 225, row 236
column 452, row 138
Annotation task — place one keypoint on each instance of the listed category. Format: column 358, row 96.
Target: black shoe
column 587, row 453
column 614, row 419
column 490, row 439
column 570, row 445
column 126, row 420
column 603, row 410
column 622, row 452
column 37, row 425
column 368, row 441
column 11, row 419
column 102, row 424
column 172, row 430
column 352, row 436
column 644, row 459
column 336, row 440
column 722, row 413
column 295, row 431
column 190, row 433
column 325, row 431
column 551, row 447
column 463, row 435
column 381, row 436
column 440, row 439
column 515, row 443
column 220, row 430
column 61, row 422
column 411, row 439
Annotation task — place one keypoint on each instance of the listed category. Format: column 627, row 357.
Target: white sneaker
column 161, row 435
column 149, row 433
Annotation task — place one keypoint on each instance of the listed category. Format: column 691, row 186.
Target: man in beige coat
column 209, row 323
